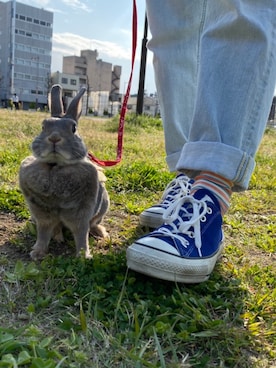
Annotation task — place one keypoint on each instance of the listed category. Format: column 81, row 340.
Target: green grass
column 68, row 312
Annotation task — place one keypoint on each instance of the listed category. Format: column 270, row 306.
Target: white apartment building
column 25, row 53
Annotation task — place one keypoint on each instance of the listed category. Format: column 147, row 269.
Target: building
column 70, row 83
column 95, row 102
column 25, row 59
column 101, row 79
column 150, row 105
column 98, row 75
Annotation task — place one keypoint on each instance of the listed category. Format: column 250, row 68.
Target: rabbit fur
column 60, row 184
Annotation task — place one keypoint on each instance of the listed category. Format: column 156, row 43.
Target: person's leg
column 235, row 87
column 175, row 27
column 236, row 79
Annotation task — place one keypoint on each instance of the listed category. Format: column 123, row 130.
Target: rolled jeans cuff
column 213, row 156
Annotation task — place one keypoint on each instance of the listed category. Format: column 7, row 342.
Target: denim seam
column 241, row 169
column 255, row 111
column 201, row 27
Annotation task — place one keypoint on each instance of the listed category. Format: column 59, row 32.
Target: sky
column 105, row 25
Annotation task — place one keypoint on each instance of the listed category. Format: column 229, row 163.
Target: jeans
column 215, row 73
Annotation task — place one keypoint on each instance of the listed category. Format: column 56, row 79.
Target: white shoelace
column 198, row 213
column 183, row 183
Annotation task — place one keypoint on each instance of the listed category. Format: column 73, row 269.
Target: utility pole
column 141, row 89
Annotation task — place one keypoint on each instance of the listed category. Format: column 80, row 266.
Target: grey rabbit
column 61, row 186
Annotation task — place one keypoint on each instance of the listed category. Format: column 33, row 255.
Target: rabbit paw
column 37, row 254
column 58, row 237
column 84, row 253
column 58, row 234
column 88, row 255
column 98, row 231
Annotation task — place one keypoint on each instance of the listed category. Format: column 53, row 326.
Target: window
column 36, row 21
column 34, row 92
column 19, row 75
column 43, row 23
column 73, row 82
column 19, row 61
column 64, row 80
column 22, row 17
column 29, row 19
column 18, row 46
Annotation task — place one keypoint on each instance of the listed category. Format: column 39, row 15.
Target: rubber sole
column 152, row 262
column 151, row 219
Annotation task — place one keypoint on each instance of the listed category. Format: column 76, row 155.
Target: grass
column 68, row 312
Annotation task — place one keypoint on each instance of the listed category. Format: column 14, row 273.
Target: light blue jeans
column 215, row 71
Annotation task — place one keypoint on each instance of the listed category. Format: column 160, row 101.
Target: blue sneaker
column 186, row 248
column 177, row 188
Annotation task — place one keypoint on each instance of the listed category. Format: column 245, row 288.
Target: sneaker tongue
column 207, row 196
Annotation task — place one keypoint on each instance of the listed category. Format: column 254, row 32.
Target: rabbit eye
column 74, row 128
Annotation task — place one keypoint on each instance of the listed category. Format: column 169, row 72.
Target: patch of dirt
column 16, row 241
column 9, row 228
column 117, row 223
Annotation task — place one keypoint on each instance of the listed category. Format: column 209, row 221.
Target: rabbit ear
column 55, row 102
column 75, row 107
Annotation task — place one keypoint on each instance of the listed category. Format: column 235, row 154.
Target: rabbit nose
column 54, row 138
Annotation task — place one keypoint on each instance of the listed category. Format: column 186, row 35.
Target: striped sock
column 218, row 185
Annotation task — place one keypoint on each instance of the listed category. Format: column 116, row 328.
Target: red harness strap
column 124, row 105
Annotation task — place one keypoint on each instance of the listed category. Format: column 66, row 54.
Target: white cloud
column 37, row 3
column 71, row 44
column 77, row 4
column 72, row 4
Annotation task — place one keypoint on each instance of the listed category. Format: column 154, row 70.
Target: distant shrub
column 132, row 120
column 137, row 177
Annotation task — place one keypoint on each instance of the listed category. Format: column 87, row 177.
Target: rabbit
column 61, row 186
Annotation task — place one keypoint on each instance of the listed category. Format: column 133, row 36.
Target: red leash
column 124, row 106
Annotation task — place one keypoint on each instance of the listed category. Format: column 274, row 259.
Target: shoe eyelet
column 203, row 219
column 209, row 210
